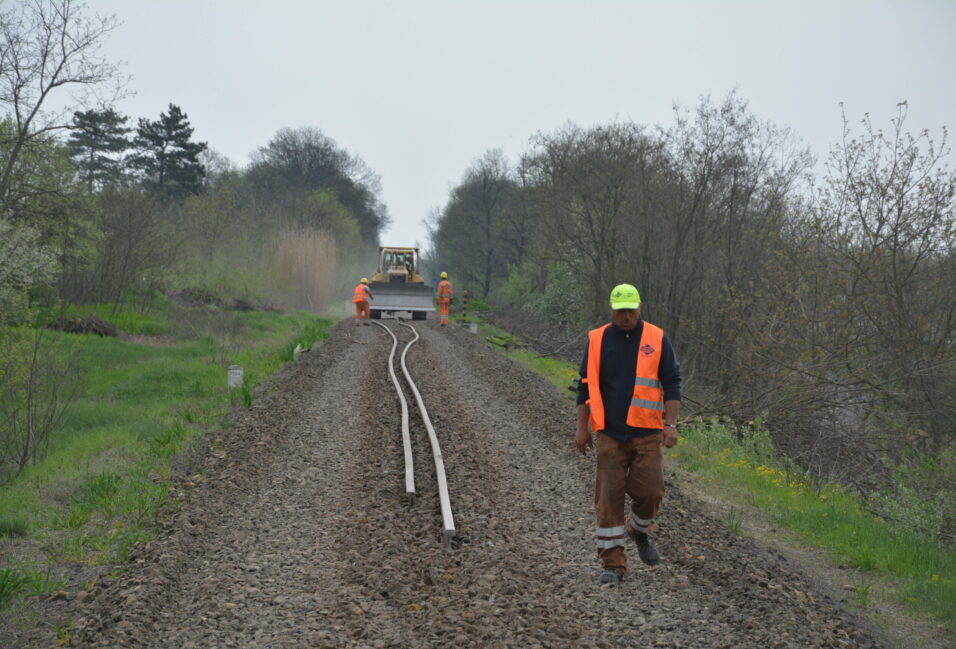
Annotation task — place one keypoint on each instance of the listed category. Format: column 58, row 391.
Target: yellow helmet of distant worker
column 444, row 275
column 364, row 280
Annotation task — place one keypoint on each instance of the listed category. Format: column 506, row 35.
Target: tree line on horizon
column 97, row 208
column 820, row 306
column 102, row 213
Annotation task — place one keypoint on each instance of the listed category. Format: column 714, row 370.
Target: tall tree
column 167, row 156
column 46, row 47
column 96, row 142
column 471, row 231
column 298, row 162
column 590, row 192
column 887, row 220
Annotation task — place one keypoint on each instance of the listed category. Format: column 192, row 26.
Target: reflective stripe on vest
column 361, row 294
column 647, row 402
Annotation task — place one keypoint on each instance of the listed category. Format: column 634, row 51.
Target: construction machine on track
column 397, row 285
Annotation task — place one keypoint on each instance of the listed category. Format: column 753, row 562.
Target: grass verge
column 140, row 407
column 741, row 465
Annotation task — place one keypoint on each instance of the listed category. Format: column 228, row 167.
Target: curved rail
column 447, row 519
column 406, row 435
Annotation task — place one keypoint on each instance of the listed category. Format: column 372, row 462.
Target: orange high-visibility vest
column 361, row 294
column 444, row 288
column 647, row 402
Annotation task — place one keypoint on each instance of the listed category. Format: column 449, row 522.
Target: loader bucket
column 390, row 297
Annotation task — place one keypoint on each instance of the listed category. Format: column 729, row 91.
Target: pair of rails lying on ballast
column 448, row 521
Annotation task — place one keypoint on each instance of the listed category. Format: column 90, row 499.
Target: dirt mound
column 88, row 325
column 196, row 296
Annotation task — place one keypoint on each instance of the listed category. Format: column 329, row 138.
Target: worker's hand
column 670, row 437
column 583, row 440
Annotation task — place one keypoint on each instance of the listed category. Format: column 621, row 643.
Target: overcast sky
column 420, row 89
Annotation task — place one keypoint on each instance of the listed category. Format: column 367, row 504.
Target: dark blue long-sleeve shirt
column 618, row 368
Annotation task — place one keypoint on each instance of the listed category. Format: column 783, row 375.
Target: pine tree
column 167, row 156
column 97, row 141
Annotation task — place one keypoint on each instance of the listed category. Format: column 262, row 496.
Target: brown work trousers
column 635, row 468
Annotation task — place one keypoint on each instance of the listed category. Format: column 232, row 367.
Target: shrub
column 11, row 526
column 921, row 494
column 37, row 383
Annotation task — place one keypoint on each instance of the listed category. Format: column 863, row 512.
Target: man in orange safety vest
column 629, row 394
column 444, row 299
column 361, row 297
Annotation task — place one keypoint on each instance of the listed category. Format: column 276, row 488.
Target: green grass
column 12, row 583
column 741, row 467
column 95, row 494
column 12, row 526
column 311, row 334
column 24, row 580
column 560, row 373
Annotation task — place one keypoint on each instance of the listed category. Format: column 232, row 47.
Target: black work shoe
column 610, row 576
column 646, row 549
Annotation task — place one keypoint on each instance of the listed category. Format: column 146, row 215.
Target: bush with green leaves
column 921, row 494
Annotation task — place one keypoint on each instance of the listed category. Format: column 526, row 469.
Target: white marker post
column 234, row 377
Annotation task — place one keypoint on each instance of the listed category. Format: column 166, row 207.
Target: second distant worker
column 444, row 299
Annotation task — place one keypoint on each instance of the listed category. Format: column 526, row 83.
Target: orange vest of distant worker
column 361, row 294
column 444, row 288
column 647, row 402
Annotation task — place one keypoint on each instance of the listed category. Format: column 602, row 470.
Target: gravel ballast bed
column 300, row 535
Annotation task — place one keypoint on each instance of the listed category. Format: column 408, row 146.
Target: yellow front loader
column 397, row 285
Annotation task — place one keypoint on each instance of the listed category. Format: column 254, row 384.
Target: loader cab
column 398, row 266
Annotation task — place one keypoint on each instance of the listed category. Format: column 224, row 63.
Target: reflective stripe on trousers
column 639, row 524
column 610, row 537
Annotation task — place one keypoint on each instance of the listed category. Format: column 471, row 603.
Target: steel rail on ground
column 448, row 521
column 406, row 434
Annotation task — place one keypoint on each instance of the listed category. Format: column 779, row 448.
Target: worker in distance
column 445, row 294
column 360, row 297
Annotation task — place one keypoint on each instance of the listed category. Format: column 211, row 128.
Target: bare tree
column 590, row 189
column 38, row 382
column 469, row 230
column 49, row 48
column 887, row 219
column 138, row 245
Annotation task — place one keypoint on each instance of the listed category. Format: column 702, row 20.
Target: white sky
column 419, row 89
